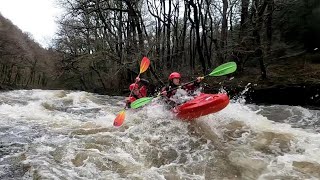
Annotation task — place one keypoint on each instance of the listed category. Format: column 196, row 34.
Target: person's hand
column 163, row 93
column 199, row 79
column 137, row 79
column 130, row 99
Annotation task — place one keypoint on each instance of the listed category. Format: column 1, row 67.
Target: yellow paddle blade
column 144, row 64
column 119, row 119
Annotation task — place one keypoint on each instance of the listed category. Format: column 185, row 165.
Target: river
column 57, row 134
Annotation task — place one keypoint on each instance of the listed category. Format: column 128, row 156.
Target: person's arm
column 145, row 86
column 194, row 85
column 128, row 105
column 144, row 82
column 148, row 85
column 143, row 91
column 164, row 91
column 129, row 100
column 166, row 95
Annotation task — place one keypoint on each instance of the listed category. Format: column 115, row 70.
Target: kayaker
column 137, row 91
column 174, row 83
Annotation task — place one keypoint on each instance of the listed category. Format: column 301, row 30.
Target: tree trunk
column 269, row 25
column 168, row 41
column 93, row 67
column 244, row 18
column 163, row 52
column 207, row 50
column 184, row 33
column 257, row 25
column 120, row 39
column 136, row 25
column 224, row 29
column 198, row 38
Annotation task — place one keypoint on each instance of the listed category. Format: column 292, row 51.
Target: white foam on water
column 304, row 146
column 76, row 139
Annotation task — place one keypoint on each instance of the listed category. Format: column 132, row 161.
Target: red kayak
column 202, row 105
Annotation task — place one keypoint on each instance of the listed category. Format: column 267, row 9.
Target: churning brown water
column 70, row 135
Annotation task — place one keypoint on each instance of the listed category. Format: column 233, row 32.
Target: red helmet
column 174, row 75
column 133, row 86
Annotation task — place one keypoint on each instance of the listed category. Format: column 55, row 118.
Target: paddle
column 118, row 121
column 221, row 70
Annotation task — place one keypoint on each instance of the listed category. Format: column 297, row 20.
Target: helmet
column 174, row 75
column 133, row 86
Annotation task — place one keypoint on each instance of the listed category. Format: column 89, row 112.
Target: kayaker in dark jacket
column 174, row 83
column 137, row 91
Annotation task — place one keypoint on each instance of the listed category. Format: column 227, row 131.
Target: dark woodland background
column 100, row 44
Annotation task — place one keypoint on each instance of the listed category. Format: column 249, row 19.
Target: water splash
column 69, row 135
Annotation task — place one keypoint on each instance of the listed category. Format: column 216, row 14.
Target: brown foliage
column 23, row 62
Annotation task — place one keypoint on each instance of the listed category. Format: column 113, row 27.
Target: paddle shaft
column 143, row 67
column 221, row 70
column 193, row 81
column 135, row 83
column 186, row 84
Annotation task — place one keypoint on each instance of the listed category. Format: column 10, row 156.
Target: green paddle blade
column 140, row 102
column 224, row 69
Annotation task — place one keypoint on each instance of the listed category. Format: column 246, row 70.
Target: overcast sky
column 34, row 16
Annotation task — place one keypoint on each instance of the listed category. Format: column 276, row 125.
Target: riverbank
column 290, row 81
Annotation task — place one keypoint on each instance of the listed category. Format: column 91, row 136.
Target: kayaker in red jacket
column 174, row 83
column 137, row 91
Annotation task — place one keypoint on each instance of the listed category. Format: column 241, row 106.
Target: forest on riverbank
column 100, row 44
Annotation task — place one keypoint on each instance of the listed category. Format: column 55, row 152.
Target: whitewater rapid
column 70, row 135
